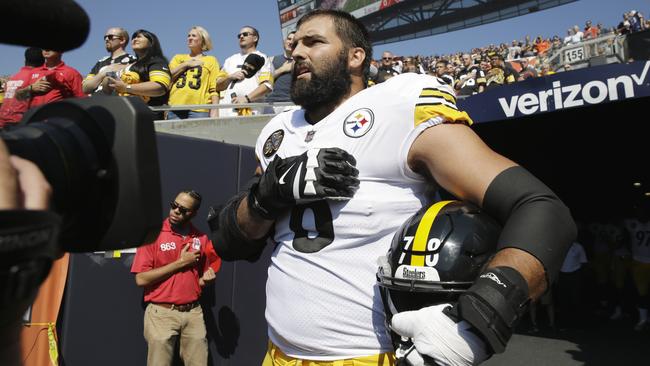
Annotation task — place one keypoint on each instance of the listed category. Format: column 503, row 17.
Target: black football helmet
column 435, row 256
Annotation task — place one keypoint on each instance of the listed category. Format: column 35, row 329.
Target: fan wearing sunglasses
column 236, row 84
column 173, row 270
column 115, row 40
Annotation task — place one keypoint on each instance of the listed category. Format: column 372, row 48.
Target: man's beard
column 326, row 87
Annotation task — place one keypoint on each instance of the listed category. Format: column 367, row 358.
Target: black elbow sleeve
column 228, row 240
column 533, row 217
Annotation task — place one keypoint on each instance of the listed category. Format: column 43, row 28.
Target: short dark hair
column 195, row 195
column 34, row 57
column 351, row 31
column 257, row 33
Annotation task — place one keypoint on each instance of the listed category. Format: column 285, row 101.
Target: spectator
column 194, row 77
column 635, row 22
column 471, row 79
column 173, row 270
column 485, row 65
column 386, row 70
column 282, row 66
column 115, row 40
column 18, row 89
column 148, row 77
column 528, row 51
column 442, row 74
column 624, row 27
column 603, row 30
column 566, row 67
column 541, row 46
column 514, row 50
column 501, row 73
column 577, row 35
column 410, row 66
column 546, row 70
column 591, row 32
column 235, row 84
column 527, row 70
column 54, row 80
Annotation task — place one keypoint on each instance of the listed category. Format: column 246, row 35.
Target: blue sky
column 170, row 20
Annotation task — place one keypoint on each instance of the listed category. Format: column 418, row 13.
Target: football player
column 336, row 180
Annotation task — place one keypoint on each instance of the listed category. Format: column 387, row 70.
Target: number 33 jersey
column 322, row 297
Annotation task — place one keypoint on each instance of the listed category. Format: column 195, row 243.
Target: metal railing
column 609, row 46
column 257, row 106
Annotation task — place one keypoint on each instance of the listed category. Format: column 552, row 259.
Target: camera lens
column 99, row 155
column 74, row 154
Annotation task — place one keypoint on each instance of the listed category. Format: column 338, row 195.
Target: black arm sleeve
column 227, row 238
column 533, row 218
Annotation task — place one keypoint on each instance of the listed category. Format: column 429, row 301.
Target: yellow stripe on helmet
column 422, row 233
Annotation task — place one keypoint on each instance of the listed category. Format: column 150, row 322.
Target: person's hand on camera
column 436, row 336
column 188, row 258
column 327, row 173
column 22, row 185
column 41, row 86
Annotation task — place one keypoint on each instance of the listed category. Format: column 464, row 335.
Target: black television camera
column 98, row 154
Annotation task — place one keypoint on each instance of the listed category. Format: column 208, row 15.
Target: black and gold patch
column 272, row 144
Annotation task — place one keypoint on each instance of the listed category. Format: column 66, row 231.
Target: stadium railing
column 610, row 48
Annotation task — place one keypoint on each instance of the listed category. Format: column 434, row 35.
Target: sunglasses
column 244, row 34
column 110, row 37
column 181, row 209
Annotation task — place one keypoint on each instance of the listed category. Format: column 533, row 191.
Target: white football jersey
column 322, row 298
column 639, row 239
column 244, row 87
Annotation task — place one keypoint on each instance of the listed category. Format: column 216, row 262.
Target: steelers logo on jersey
column 358, row 123
column 272, row 144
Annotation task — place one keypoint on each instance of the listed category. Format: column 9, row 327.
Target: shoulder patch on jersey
column 272, row 144
column 358, row 123
column 103, row 59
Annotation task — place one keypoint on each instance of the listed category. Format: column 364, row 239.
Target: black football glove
column 327, row 173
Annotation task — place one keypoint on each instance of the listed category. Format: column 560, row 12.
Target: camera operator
column 22, row 187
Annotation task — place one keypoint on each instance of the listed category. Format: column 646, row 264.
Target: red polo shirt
column 12, row 109
column 182, row 287
column 66, row 83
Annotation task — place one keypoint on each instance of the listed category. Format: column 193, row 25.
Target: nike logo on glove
column 281, row 181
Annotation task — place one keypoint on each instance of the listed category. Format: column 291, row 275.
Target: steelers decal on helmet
column 358, row 123
column 272, row 144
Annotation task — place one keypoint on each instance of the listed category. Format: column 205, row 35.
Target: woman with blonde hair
column 194, row 77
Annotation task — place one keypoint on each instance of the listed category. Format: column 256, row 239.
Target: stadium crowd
column 196, row 78
column 486, row 67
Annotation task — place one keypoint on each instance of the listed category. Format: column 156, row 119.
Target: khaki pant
column 162, row 328
column 275, row 357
